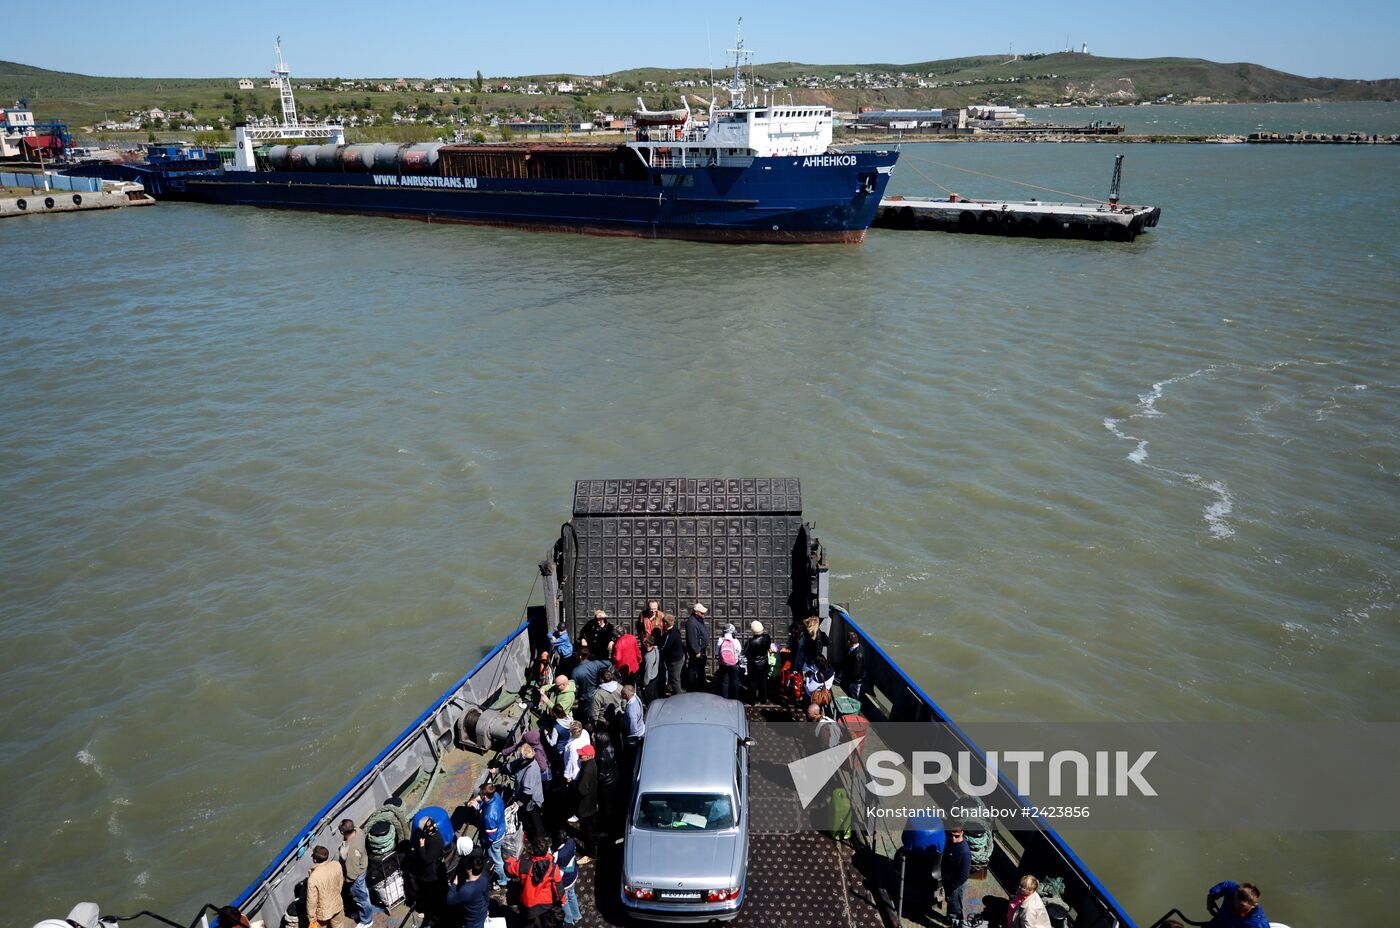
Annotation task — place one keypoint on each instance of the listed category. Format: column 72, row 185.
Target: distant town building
column 245, row 83
column 901, row 119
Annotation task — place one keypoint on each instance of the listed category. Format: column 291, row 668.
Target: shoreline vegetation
column 418, row 109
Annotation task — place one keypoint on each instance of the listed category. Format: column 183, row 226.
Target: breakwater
column 64, row 201
column 1322, row 138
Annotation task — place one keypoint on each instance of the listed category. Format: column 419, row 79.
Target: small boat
column 646, row 117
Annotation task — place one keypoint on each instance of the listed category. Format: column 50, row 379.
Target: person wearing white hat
column 756, row 655
column 697, row 647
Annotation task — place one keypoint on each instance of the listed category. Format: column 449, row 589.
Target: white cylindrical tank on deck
column 420, row 159
column 328, row 157
column 303, row 157
column 386, row 156
column 357, row 158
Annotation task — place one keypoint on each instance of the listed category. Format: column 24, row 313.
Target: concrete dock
column 68, row 201
column 1031, row 218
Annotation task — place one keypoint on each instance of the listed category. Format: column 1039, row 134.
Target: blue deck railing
column 1095, row 906
column 502, row 668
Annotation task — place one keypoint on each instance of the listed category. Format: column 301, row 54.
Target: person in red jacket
column 540, row 890
column 627, row 656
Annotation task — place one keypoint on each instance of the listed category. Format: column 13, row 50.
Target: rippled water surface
column 271, row 481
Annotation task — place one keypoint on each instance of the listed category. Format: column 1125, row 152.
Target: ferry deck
column 797, row 876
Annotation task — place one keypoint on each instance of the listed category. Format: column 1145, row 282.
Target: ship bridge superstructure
column 737, row 133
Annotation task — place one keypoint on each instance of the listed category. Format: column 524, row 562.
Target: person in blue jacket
column 1235, row 905
column 562, row 647
column 493, row 825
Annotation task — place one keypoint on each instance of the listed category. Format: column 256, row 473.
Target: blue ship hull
column 828, row 198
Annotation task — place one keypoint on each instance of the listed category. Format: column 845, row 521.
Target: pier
column 27, row 193
column 67, row 201
column 1030, row 218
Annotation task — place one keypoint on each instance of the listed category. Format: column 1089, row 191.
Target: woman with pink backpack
column 729, row 652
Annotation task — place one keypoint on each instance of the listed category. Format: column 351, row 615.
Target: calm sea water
column 272, row 481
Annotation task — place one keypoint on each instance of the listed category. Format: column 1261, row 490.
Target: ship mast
column 247, row 137
column 284, row 82
column 741, row 55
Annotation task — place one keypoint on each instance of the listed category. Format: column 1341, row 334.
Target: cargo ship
column 743, row 547
column 755, row 170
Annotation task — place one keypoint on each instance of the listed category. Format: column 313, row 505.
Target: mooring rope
column 1063, row 193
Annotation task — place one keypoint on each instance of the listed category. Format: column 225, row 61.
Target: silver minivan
column 686, row 845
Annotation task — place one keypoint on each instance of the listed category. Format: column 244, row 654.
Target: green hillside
column 82, row 100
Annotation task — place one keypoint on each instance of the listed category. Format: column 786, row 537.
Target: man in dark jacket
column 468, row 895
column 956, row 865
column 853, row 666
column 1235, row 905
column 587, row 811
column 697, row 647
column 606, row 761
column 672, row 655
column 598, row 635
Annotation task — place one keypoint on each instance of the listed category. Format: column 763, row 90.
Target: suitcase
column 855, row 726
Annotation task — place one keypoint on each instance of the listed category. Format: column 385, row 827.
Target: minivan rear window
column 685, row 811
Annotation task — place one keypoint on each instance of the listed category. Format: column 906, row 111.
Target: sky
column 441, row 38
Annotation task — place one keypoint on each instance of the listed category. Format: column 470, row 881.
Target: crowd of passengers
column 563, row 775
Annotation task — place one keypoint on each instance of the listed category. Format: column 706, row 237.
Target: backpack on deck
column 729, row 652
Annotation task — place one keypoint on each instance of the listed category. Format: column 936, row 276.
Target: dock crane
column 1117, row 182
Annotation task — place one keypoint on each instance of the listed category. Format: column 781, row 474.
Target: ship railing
column 416, row 751
column 670, row 134
column 696, row 158
column 889, row 695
